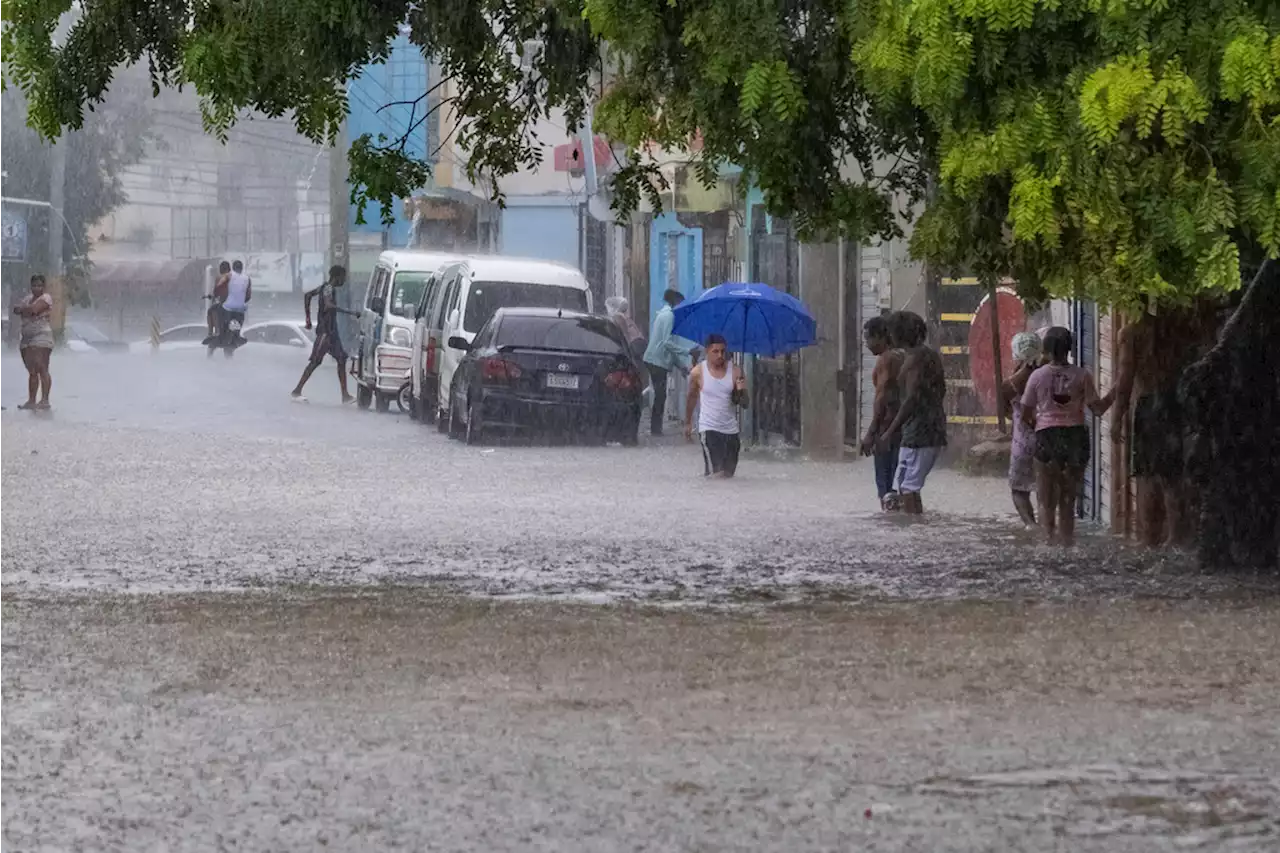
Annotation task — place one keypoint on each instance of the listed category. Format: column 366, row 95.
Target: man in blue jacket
column 666, row 352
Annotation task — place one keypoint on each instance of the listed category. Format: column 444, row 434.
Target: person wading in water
column 921, row 417
column 885, row 377
column 1154, row 352
column 716, row 389
column 327, row 341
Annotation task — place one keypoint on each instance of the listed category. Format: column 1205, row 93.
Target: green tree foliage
column 768, row 86
column 1110, row 148
column 509, row 63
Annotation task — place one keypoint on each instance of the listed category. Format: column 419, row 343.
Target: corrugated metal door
column 1084, row 324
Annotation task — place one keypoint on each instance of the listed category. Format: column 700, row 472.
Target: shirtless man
column 884, row 376
column 1153, row 353
column 921, row 418
column 328, row 341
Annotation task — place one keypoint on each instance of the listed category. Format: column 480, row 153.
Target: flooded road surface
column 402, row 720
column 236, row 622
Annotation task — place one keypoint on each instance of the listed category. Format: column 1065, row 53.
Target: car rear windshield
column 488, row 296
column 406, row 290
column 576, row 334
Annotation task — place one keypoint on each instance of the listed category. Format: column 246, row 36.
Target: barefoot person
column 717, row 389
column 36, row 342
column 1054, row 403
column 884, row 376
column 921, row 418
column 1153, row 353
column 328, row 342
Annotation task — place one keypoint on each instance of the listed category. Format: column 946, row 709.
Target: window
column 488, row 296
column 278, row 335
column 377, row 286
column 446, row 300
column 406, row 290
column 569, row 334
column 428, row 294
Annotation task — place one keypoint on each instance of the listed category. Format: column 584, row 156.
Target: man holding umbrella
column 717, row 389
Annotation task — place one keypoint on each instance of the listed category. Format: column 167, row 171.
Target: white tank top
column 716, row 412
column 237, row 289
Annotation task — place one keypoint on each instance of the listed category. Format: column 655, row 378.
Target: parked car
column 383, row 351
column 540, row 369
column 183, row 336
column 289, row 333
column 86, row 337
column 473, row 290
column 424, row 369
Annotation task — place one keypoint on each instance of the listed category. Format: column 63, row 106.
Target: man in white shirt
column 717, row 389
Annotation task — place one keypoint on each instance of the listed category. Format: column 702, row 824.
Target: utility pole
column 338, row 251
column 57, row 185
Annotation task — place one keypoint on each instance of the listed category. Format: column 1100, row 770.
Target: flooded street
column 236, row 622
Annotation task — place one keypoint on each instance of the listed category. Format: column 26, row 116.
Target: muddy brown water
column 400, row 719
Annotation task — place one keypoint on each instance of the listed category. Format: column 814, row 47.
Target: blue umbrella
column 753, row 318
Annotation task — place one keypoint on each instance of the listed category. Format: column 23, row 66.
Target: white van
column 473, row 289
column 383, row 351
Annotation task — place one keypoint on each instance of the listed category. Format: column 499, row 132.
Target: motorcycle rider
column 239, row 292
column 215, row 316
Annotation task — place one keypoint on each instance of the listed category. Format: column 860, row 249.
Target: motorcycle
column 225, row 329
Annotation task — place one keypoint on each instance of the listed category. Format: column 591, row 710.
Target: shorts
column 1157, row 436
column 720, row 452
column 914, row 466
column 328, row 343
column 1065, row 446
column 1022, row 473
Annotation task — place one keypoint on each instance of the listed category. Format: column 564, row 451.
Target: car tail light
column 624, row 382
column 431, row 354
column 499, row 370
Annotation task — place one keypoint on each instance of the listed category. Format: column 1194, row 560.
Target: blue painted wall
column 548, row 232
column 403, row 77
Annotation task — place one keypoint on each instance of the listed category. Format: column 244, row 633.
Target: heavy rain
column 544, row 525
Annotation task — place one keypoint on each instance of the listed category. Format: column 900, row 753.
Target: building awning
column 148, row 276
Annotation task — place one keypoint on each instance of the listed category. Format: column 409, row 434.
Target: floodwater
column 235, row 621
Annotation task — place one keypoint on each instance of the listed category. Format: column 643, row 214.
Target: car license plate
column 559, row 380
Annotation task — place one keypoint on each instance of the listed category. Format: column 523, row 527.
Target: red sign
column 569, row 155
column 1013, row 319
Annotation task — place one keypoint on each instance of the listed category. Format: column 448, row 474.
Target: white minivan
column 473, row 289
column 383, row 351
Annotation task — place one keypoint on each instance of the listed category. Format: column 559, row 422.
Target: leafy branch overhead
column 233, row 54
column 1106, row 148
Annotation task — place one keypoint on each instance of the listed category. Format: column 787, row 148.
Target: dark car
column 546, row 370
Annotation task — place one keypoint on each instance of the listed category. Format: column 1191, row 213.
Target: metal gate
column 1084, row 326
column 775, row 262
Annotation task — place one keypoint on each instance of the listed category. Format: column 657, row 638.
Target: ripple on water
column 1193, row 808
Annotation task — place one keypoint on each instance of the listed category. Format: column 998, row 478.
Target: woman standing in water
column 36, row 342
column 1054, row 403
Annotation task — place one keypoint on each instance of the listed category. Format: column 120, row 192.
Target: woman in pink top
column 1054, row 402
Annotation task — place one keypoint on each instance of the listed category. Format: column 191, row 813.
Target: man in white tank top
column 717, row 389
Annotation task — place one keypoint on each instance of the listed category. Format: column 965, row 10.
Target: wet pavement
column 232, row 621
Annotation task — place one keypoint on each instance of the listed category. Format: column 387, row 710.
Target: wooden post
column 992, row 297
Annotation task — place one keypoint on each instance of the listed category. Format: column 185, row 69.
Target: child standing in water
column 1022, row 453
column 1054, row 402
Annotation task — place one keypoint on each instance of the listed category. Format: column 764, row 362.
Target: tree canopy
column 1109, row 148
